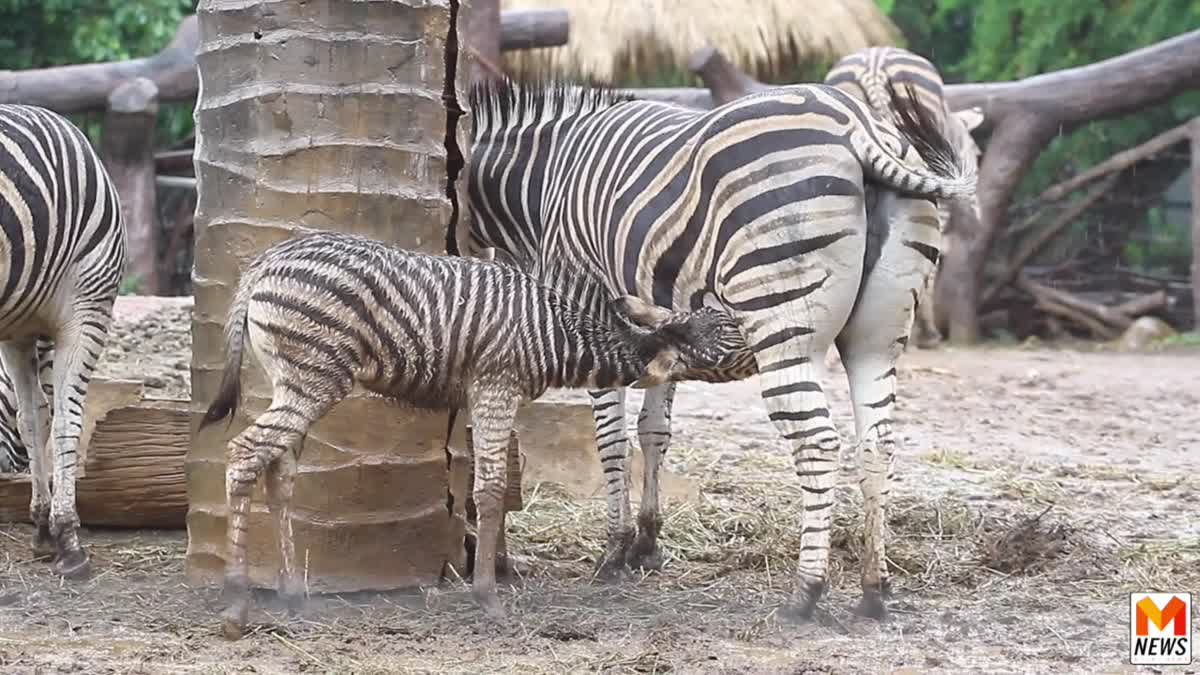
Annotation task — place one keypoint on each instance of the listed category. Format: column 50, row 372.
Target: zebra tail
column 229, row 396
column 958, row 173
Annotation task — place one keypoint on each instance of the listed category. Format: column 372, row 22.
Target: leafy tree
column 996, row 40
column 44, row 33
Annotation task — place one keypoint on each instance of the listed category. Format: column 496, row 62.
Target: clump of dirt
column 1027, row 548
column 155, row 348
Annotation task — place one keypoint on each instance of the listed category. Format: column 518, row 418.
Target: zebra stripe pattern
column 14, row 456
column 866, row 74
column 757, row 206
column 62, row 247
column 326, row 312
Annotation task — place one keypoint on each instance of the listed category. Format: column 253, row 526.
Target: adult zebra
column 757, row 205
column 866, row 74
column 63, row 255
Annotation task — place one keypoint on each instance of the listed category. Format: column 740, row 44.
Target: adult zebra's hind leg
column 77, row 348
column 608, row 412
column 20, row 362
column 654, row 433
column 789, row 325
column 870, row 345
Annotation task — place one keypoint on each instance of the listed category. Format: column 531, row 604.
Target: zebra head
column 702, row 339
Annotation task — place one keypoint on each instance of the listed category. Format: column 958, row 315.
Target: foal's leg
column 608, row 412
column 281, row 483
column 871, row 344
column 20, row 362
column 279, row 431
column 493, row 411
column 654, row 432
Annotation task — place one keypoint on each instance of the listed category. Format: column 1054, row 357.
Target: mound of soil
column 151, row 340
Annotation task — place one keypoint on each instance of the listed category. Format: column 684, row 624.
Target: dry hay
column 753, row 526
column 616, row 39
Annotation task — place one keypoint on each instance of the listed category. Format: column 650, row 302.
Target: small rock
column 1144, row 331
column 154, row 382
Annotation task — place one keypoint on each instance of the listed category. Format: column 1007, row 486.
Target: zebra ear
column 641, row 312
column 971, row 118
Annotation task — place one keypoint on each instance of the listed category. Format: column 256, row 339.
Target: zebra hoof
column 646, row 557
column 871, row 605
column 805, row 605
column 612, row 570
column 73, row 565
column 44, row 548
column 233, row 623
column 493, row 610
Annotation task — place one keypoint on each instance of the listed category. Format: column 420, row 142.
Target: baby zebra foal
column 328, row 311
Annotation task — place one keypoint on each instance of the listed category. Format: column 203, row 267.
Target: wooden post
column 128, row 150
column 1196, row 224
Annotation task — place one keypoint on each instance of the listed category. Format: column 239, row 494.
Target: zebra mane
column 497, row 105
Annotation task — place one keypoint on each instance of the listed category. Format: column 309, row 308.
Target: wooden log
column 85, row 87
column 1105, row 322
column 533, row 28
column 131, row 473
column 175, row 161
column 1143, row 304
column 79, row 88
column 721, row 77
column 127, row 146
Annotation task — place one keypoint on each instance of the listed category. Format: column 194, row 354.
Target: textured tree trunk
column 324, row 115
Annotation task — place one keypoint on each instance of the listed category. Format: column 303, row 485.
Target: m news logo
column 1160, row 633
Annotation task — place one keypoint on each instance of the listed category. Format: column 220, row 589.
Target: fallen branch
column 1105, row 322
column 1118, row 162
column 1039, row 241
column 1142, row 304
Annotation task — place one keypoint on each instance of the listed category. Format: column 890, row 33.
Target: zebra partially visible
column 866, row 74
column 327, row 312
column 62, row 256
column 14, row 456
column 758, row 205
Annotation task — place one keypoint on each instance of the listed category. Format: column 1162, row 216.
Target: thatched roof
column 619, row 39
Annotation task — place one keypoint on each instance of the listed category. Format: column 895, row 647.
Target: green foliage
column 44, row 33
column 996, row 40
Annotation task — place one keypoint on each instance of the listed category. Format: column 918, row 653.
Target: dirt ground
column 1036, row 488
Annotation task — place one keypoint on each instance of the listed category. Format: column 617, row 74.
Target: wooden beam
column 79, row 88
column 533, row 28
column 85, row 87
